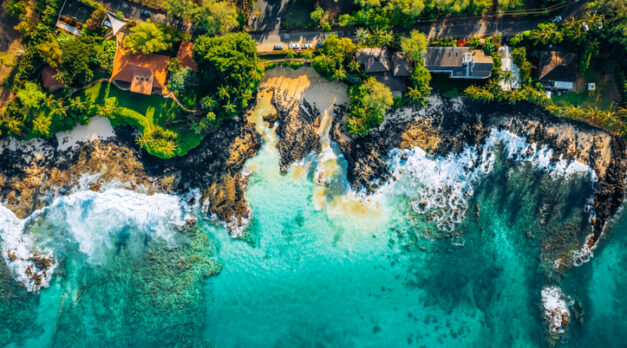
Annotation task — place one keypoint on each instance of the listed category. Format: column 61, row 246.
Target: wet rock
column 449, row 125
column 297, row 130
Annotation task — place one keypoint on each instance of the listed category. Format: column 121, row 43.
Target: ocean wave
column 556, row 310
column 441, row 186
column 93, row 221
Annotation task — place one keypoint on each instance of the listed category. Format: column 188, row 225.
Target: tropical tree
column 147, row 38
column 361, row 35
column 228, row 68
column 420, row 89
column 317, row 14
column 414, row 46
column 369, row 102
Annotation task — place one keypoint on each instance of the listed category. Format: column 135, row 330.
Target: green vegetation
column 369, row 102
column 337, row 60
column 613, row 16
column 147, row 38
column 229, row 76
column 419, row 89
column 209, row 16
column 414, row 46
column 154, row 116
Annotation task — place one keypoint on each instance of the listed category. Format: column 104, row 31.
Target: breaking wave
column 95, row 222
column 441, row 186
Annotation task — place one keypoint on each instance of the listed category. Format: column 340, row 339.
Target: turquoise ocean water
column 321, row 265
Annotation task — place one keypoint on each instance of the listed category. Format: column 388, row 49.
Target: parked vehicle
column 278, row 47
column 145, row 13
column 294, row 45
column 556, row 19
column 307, row 46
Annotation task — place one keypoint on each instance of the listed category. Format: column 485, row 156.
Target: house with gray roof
column 374, row 60
column 558, row 70
column 402, row 66
column 391, row 72
column 459, row 62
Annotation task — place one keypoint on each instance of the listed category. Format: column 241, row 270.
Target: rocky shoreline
column 448, row 125
column 35, row 172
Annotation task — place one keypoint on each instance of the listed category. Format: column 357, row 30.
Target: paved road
column 271, row 13
column 469, row 27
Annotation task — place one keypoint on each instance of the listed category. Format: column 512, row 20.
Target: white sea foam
column 441, row 186
column 94, row 221
column 555, row 309
column 19, row 249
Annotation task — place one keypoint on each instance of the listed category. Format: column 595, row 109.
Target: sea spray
column 556, row 310
column 95, row 221
column 441, row 186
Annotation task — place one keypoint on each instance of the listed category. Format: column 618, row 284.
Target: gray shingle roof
column 374, row 59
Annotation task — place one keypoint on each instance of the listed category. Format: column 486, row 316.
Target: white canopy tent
column 116, row 24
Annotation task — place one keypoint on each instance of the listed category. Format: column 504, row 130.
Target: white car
column 294, row 46
column 556, row 19
column 307, row 46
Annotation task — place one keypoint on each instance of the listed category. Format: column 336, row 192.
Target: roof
column 453, row 61
column 116, row 24
column 142, row 72
column 558, row 66
column 49, row 81
column 68, row 28
column 395, row 84
column 402, row 67
column 374, row 59
column 185, row 55
column 445, row 56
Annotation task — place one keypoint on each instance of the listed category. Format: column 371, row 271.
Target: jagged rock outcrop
column 34, row 173
column 297, row 129
column 448, row 125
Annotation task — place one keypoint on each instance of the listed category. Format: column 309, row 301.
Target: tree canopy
column 419, row 89
column 414, row 46
column 147, row 38
column 369, row 102
column 229, row 71
column 210, row 16
column 336, row 59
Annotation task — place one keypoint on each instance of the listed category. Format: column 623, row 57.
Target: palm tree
column 209, row 103
column 77, row 103
column 143, row 141
column 223, row 92
column 169, row 148
column 229, row 108
column 507, row 76
column 57, row 109
column 414, row 94
column 361, row 35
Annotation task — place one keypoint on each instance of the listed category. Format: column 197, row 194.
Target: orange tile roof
column 186, row 55
column 143, row 72
column 49, row 81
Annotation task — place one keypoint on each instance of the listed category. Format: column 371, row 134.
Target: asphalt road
column 468, row 27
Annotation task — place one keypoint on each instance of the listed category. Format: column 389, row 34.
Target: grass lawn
column 450, row 87
column 603, row 97
column 144, row 112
